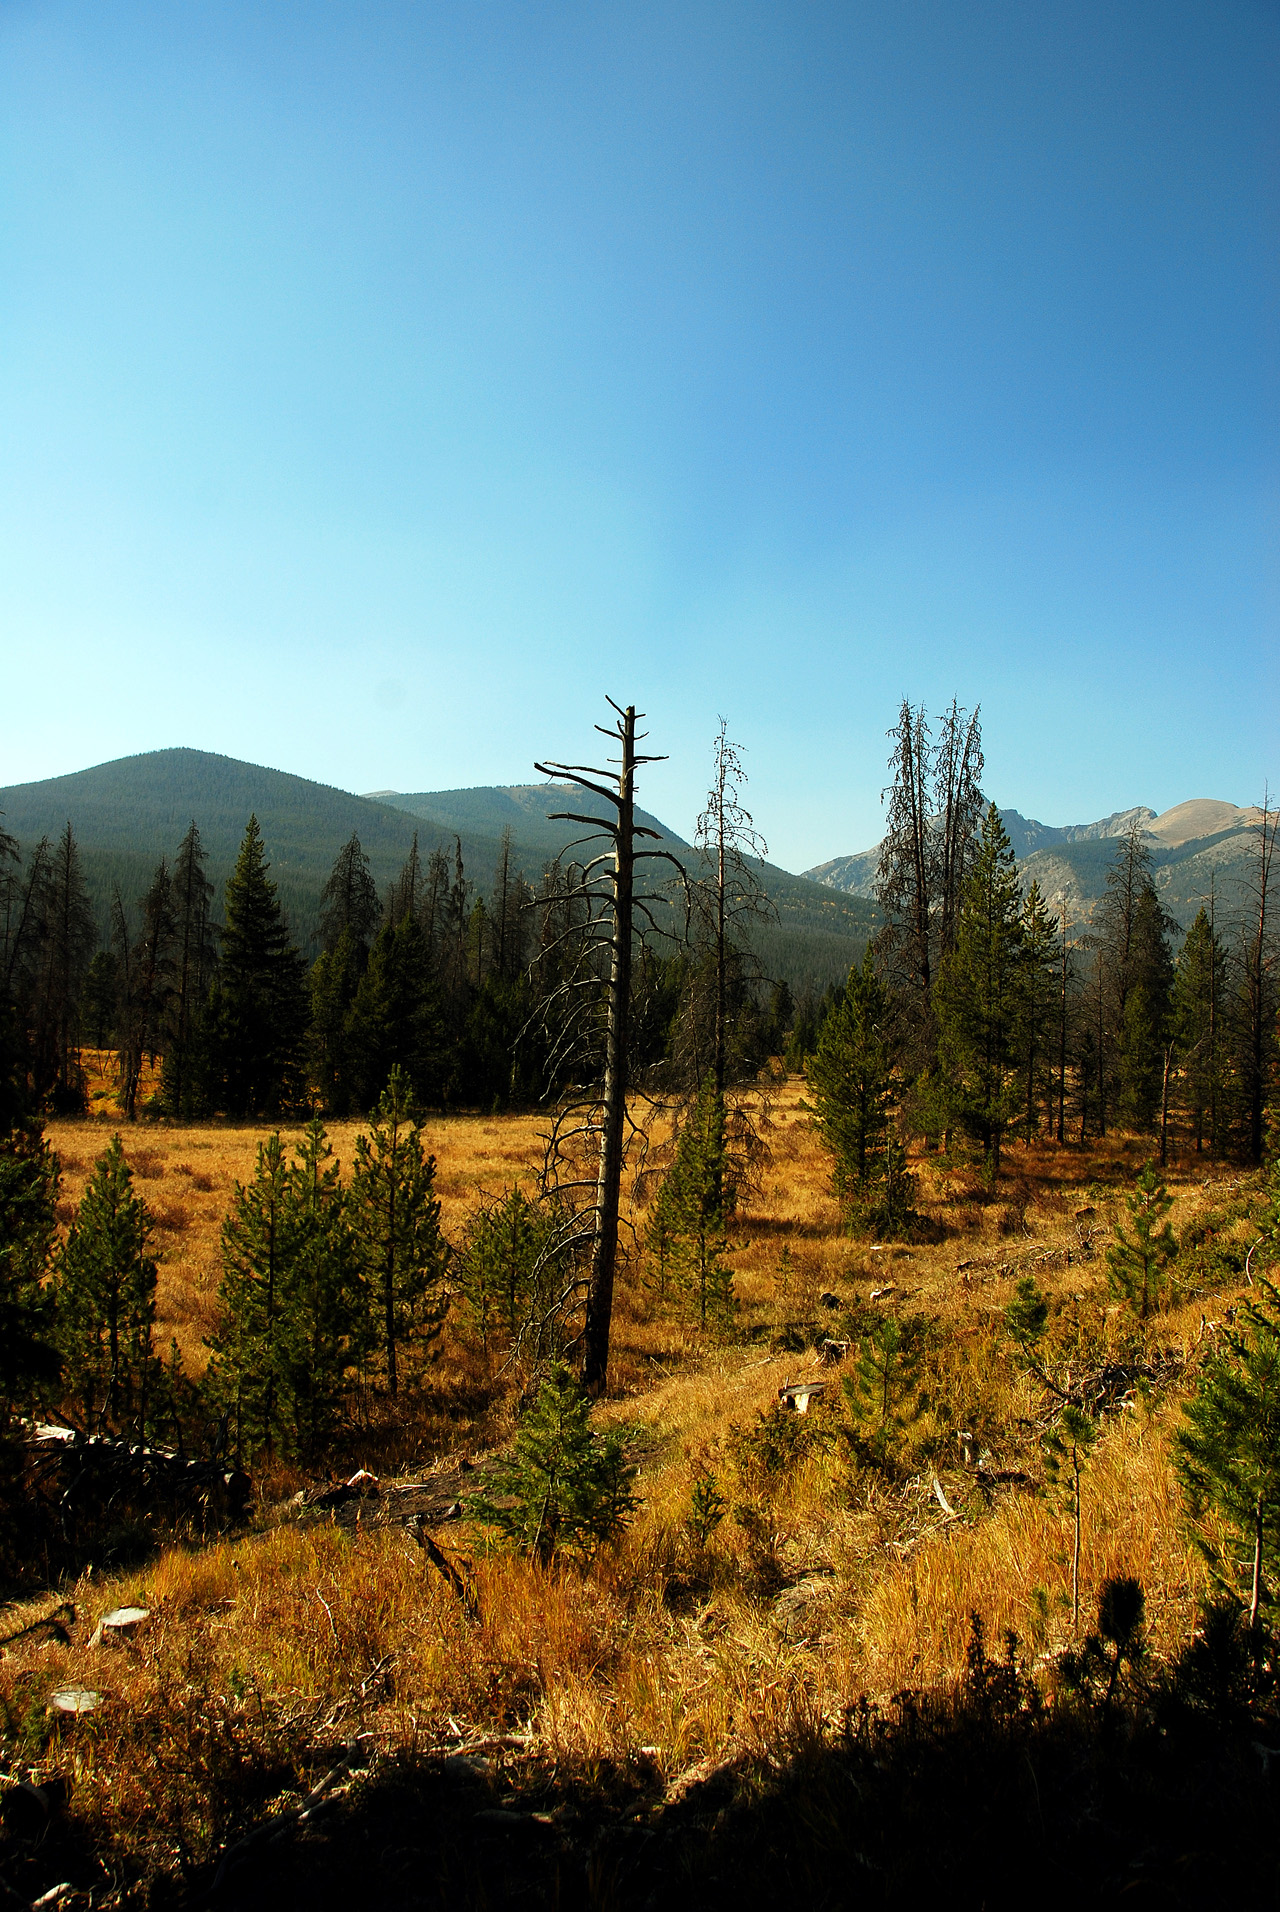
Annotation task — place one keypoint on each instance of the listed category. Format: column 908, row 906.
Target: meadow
column 823, row 1584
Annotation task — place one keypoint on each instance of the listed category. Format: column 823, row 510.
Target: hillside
column 128, row 813
column 1193, row 845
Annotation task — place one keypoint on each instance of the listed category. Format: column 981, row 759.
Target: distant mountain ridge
column 1196, row 845
column 128, row 813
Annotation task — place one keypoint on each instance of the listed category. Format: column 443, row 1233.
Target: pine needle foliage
column 106, row 1299
column 1227, row 1453
column 564, row 1487
column 689, row 1216
column 882, row 1394
column 511, row 1269
column 1138, row 1264
column 850, row 1077
column 295, row 1310
column 396, row 1215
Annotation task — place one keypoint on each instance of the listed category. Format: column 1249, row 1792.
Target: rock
column 118, row 1625
column 75, row 1700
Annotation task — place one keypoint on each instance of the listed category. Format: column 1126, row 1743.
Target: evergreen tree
column 29, row 1182
column 1138, row 1264
column 260, row 1003
column 1037, row 1007
column 693, row 1205
column 1228, row 1452
column 99, row 1008
column 511, row 1269
column 395, row 1019
column 564, row 1486
column 978, row 993
column 1199, row 993
column 68, row 938
column 333, row 1048
column 106, row 1299
column 1253, row 1018
column 145, row 971
column 1143, row 1028
column 349, row 900
column 258, row 1250
column 325, row 1332
column 882, row 1393
column 850, row 1076
column 396, row 1216
column 193, row 966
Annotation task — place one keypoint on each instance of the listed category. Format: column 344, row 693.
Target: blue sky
column 382, row 384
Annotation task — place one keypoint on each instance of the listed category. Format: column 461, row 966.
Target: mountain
column 1193, row 845
column 128, row 813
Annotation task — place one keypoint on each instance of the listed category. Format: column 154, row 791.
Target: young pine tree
column 564, row 1486
column 295, row 1315
column 881, row 1395
column 324, row 1333
column 396, row 1216
column 106, row 1300
column 258, row 1248
column 1138, row 1264
column 850, row 1077
column 511, row 1268
column 1228, row 1453
column 693, row 1206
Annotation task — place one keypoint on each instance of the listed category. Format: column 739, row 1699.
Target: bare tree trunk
column 618, row 904
column 604, row 1250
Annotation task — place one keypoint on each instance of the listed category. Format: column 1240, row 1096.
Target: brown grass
column 287, row 1637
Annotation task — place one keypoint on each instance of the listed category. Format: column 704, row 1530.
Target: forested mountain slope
column 128, row 813
column 1194, row 845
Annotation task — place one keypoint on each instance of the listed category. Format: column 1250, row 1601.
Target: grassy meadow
column 825, row 1582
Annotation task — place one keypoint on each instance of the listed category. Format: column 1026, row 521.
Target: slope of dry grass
column 825, row 1580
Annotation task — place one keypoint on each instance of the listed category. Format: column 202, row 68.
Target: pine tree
column 1138, row 1264
column 145, row 970
column 696, row 1199
column 294, row 1308
column 193, row 966
column 1143, row 1028
column 258, row 1249
column 29, row 1181
column 564, row 1486
column 395, row 1019
column 977, row 997
column 1199, row 994
column 349, row 900
column 1228, row 1452
column 396, row 1216
column 260, row 1006
column 881, row 1394
column 106, row 1299
column 324, row 1333
column 1037, row 1001
column 68, row 938
column 511, row 1269
column 850, row 1077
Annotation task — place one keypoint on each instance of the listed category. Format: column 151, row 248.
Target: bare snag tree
column 595, row 996
column 728, row 839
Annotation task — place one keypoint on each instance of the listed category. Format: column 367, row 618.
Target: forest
column 526, row 1362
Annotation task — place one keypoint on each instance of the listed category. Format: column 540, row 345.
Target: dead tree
column 727, row 837
column 594, row 1000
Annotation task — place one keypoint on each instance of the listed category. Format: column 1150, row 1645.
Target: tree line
column 432, row 976
column 980, row 1015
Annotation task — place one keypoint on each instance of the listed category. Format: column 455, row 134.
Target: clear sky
column 382, row 383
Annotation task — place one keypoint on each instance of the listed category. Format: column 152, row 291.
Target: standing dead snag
column 606, row 886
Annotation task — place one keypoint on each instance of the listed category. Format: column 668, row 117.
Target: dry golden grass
column 295, row 1634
